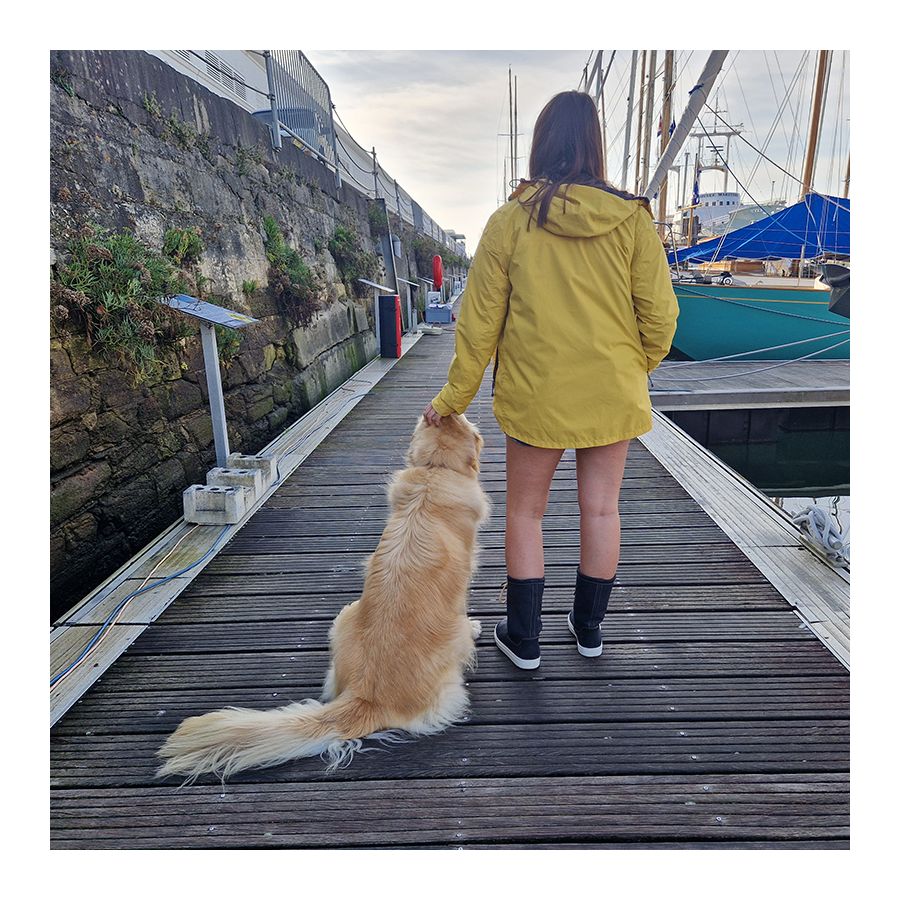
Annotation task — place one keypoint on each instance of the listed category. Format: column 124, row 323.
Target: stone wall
column 137, row 146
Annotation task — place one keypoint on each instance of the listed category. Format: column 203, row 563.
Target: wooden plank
column 472, row 750
column 229, row 628
column 295, row 667
column 818, row 591
column 457, row 811
column 241, row 601
column 270, row 562
column 504, row 702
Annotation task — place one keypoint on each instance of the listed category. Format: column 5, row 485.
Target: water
column 798, row 457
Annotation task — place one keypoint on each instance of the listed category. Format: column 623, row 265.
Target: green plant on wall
column 426, row 248
column 183, row 245
column 378, row 220
column 244, row 156
column 228, row 343
column 185, row 136
column 352, row 261
column 108, row 290
column 151, row 105
column 295, row 286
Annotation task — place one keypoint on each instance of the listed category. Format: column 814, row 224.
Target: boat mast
column 640, row 128
column 664, row 139
column 847, row 179
column 815, row 122
column 628, row 115
column 648, row 124
column 698, row 95
column 515, row 166
column 511, row 132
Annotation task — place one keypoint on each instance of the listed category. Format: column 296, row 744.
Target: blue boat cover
column 816, row 225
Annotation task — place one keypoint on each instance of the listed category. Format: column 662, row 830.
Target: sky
column 434, row 118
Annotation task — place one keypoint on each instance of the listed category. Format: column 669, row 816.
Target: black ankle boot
column 591, row 600
column 517, row 634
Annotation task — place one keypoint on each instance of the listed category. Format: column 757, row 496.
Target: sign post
column 211, row 315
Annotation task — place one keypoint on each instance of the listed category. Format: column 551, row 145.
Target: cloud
column 434, row 117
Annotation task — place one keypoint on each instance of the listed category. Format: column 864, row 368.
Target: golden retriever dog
column 399, row 652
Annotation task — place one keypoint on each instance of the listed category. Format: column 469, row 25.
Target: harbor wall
column 138, row 147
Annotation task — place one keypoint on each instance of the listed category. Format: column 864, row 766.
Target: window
column 220, row 71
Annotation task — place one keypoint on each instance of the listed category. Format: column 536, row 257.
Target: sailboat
column 778, row 322
column 763, row 320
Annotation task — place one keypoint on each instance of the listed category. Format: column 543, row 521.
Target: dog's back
column 398, row 652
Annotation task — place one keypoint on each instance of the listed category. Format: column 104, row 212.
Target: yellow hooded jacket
column 577, row 313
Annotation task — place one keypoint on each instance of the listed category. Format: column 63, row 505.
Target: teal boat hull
column 722, row 320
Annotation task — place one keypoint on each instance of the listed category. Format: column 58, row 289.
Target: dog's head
column 455, row 444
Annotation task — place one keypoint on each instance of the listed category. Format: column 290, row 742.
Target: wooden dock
column 715, row 717
column 756, row 384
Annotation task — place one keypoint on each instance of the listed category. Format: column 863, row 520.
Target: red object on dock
column 438, row 272
column 390, row 325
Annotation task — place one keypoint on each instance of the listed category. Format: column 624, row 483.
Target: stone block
column 214, row 504
column 249, row 479
column 265, row 464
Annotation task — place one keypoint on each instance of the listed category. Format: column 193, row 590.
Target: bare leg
column 600, row 471
column 529, row 471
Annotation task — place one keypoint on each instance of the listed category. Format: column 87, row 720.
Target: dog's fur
column 398, row 654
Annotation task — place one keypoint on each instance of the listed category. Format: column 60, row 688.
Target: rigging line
column 786, row 362
column 771, row 312
column 757, row 150
column 796, row 134
column 778, row 119
column 584, row 71
column 753, row 127
column 787, row 100
column 697, row 362
column 837, row 124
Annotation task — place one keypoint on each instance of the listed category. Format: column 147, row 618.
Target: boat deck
column 715, row 717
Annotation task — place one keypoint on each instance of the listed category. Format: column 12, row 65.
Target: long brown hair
column 566, row 148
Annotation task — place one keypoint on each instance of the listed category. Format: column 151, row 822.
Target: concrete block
column 266, row 464
column 251, row 480
column 214, row 504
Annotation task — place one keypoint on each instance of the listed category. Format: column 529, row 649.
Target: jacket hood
column 585, row 212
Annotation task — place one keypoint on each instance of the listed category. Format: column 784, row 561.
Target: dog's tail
column 231, row 740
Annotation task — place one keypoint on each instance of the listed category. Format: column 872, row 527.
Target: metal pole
column 664, row 139
column 648, row 122
column 334, row 149
column 698, row 95
column 640, row 128
column 375, row 171
column 512, row 151
column 274, row 124
column 628, row 116
column 516, row 130
column 847, row 179
column 216, row 399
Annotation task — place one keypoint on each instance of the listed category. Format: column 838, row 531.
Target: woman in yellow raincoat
column 570, row 293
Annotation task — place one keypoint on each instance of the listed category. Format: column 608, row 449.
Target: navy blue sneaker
column 589, row 608
column 516, row 636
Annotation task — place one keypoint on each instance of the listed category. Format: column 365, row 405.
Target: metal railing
column 301, row 108
column 301, row 105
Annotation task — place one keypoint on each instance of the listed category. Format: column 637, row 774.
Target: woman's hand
column 431, row 417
